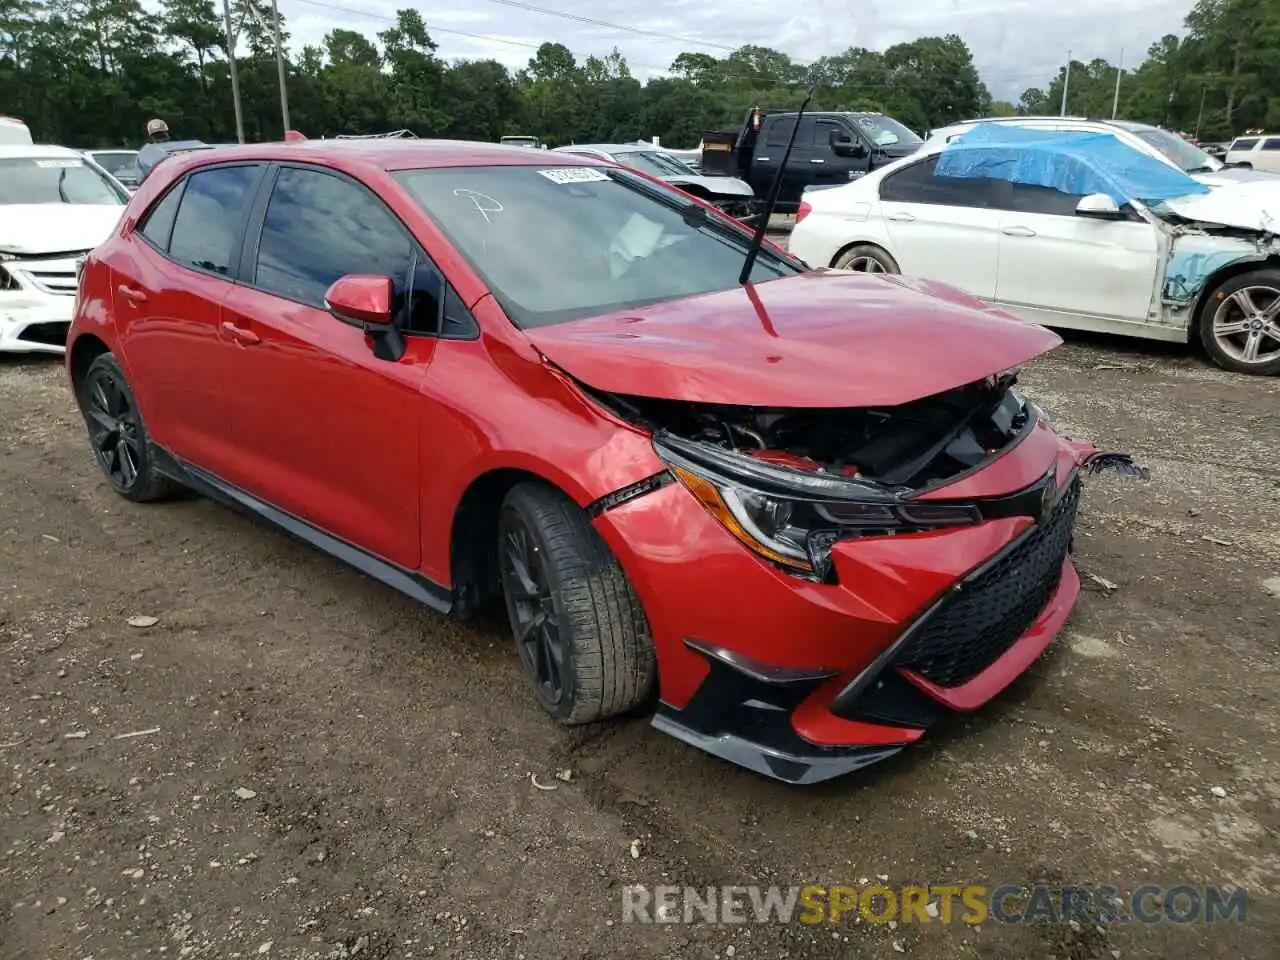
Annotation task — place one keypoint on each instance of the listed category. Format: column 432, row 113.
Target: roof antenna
column 775, row 188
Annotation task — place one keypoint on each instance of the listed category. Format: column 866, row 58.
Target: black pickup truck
column 830, row 148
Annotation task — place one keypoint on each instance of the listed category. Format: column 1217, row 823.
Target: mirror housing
column 362, row 300
column 843, row 145
column 1100, row 207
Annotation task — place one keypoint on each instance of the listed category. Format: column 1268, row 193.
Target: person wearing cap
column 157, row 131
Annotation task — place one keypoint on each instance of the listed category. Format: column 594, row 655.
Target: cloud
column 1016, row 43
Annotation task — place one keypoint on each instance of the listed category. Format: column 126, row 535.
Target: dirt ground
column 323, row 770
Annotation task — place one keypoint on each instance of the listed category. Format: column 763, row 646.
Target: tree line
column 90, row 73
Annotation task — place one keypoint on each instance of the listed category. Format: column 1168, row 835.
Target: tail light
column 804, row 211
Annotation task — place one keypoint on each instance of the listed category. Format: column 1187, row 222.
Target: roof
column 392, row 154
column 1079, row 163
column 17, row 150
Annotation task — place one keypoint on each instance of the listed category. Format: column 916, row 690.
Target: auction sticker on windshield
column 46, row 164
column 574, row 175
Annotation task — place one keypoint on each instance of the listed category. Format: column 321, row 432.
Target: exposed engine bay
column 913, row 445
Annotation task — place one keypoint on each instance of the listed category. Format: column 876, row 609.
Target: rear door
column 771, row 143
column 944, row 228
column 170, row 279
column 328, row 431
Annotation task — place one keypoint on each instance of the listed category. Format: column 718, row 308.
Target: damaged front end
column 789, row 484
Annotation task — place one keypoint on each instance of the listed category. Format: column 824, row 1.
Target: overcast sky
column 1016, row 43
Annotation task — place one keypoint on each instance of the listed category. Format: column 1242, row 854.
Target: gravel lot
column 323, row 770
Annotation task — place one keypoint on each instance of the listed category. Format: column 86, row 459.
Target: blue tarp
column 1075, row 163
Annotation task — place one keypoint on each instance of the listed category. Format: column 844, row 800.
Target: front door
column 1054, row 260
column 328, row 431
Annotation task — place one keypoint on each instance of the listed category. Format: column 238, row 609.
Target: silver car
column 729, row 194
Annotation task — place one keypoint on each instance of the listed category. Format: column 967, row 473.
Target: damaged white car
column 55, row 206
column 1068, row 230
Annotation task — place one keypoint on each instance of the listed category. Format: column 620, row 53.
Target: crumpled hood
column 716, row 186
column 1249, row 205
column 829, row 338
column 36, row 228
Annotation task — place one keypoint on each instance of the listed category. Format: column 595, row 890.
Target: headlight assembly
column 796, row 528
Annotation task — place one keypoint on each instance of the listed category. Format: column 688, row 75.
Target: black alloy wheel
column 532, row 610
column 117, row 433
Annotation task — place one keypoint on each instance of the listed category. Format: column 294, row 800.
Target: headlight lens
column 797, row 533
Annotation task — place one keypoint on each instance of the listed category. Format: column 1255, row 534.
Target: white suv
column 1258, row 152
column 55, row 206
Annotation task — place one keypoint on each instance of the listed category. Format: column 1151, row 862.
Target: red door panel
column 323, row 429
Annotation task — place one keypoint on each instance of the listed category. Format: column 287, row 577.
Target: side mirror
column 362, row 300
column 1100, row 207
column 843, row 145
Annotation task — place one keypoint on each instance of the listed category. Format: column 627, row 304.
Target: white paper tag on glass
column 574, row 175
column 46, row 164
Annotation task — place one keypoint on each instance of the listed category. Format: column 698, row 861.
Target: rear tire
column 578, row 626
column 119, row 438
column 1235, row 324
column 866, row 258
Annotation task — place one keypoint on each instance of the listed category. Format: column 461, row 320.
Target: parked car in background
column 809, row 516
column 14, row 132
column 121, row 164
column 532, row 143
column 829, row 148
column 1256, row 152
column 690, row 158
column 55, row 206
column 729, row 194
column 1156, row 142
column 1068, row 230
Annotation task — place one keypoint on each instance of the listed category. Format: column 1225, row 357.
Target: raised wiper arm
column 775, row 188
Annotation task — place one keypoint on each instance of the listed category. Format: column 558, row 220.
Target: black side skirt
column 409, row 582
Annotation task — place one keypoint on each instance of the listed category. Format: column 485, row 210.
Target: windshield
column 885, row 131
column 55, row 180
column 116, row 163
column 561, row 243
column 654, row 163
column 1187, row 157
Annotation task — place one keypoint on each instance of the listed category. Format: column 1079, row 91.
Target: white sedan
column 1204, row 264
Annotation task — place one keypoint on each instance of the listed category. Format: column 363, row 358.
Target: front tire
column 866, row 258
column 118, row 434
column 579, row 628
column 1239, row 323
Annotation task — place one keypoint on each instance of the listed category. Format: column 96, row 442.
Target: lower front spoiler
column 810, row 764
column 742, row 713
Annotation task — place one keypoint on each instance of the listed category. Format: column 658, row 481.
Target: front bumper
column 37, row 300
column 803, row 681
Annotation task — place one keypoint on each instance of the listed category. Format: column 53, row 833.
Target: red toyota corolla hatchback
column 809, row 515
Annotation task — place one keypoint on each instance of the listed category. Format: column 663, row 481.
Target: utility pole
column 284, row 96
column 1066, row 82
column 1115, row 101
column 231, row 61
column 1204, row 88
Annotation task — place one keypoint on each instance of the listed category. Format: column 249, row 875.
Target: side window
column 157, row 224
column 1026, row 198
column 458, row 321
column 209, row 217
column 778, row 132
column 804, row 144
column 1272, row 143
column 1244, row 144
column 426, row 287
column 319, row 227
column 917, row 184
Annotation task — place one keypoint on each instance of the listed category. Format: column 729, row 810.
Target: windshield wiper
column 775, row 188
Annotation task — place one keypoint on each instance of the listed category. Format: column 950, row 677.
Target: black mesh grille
column 973, row 627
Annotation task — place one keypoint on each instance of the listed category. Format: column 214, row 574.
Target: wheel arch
column 1221, row 276
column 473, row 533
column 879, row 245
column 85, row 349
